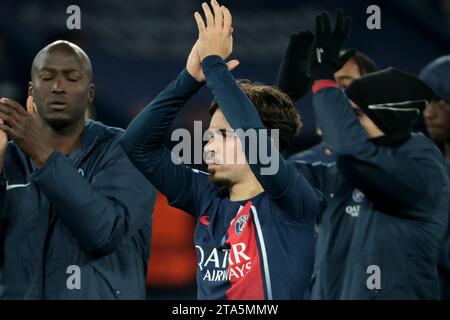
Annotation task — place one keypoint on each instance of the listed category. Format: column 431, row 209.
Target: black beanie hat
column 392, row 99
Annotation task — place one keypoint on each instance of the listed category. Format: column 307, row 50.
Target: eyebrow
column 46, row 69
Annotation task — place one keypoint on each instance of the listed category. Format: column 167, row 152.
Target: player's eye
column 46, row 76
column 223, row 133
column 73, row 76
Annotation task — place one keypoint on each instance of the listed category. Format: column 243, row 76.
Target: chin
column 221, row 183
column 437, row 135
column 59, row 121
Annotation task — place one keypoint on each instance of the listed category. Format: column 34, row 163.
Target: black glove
column 292, row 77
column 325, row 60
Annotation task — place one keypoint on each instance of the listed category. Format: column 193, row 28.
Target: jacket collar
column 94, row 133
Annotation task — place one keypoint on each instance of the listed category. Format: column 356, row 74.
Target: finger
column 345, row 56
column 319, row 24
column 309, row 35
column 326, row 23
column 14, row 105
column 8, row 119
column 208, row 15
column 308, row 39
column 227, row 19
column 218, row 14
column 339, row 25
column 347, row 27
column 200, row 24
column 3, row 127
column 232, row 64
column 302, row 38
column 31, row 106
column 8, row 130
column 9, row 113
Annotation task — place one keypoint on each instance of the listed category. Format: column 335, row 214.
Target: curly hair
column 275, row 108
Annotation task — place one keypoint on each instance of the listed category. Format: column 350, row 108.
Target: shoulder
column 419, row 142
column 312, row 155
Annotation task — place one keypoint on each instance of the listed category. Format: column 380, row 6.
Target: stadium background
column 138, row 47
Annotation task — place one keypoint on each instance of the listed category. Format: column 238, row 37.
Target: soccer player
column 75, row 213
column 437, row 120
column 385, row 244
column 250, row 224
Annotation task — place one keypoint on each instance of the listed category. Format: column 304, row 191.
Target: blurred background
column 137, row 47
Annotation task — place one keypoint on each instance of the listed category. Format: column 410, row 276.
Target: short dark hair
column 275, row 108
column 365, row 64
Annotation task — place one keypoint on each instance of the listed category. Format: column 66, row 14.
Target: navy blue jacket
column 77, row 228
column 398, row 200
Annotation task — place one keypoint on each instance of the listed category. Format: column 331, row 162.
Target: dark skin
column 59, row 93
column 437, row 120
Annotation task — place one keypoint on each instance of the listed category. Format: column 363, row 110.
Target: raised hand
column 24, row 128
column 194, row 64
column 325, row 60
column 292, row 75
column 214, row 36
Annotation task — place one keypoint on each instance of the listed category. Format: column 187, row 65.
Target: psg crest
column 240, row 224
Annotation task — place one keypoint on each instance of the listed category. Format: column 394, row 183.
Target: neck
column 447, row 151
column 67, row 139
column 246, row 189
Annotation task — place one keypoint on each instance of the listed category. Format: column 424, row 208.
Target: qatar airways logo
column 224, row 264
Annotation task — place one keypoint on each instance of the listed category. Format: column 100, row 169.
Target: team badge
column 240, row 224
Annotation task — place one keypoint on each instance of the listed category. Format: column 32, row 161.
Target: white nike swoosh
column 13, row 186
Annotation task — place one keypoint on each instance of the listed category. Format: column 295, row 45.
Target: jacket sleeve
column 143, row 143
column 287, row 187
column 316, row 173
column 104, row 212
column 386, row 174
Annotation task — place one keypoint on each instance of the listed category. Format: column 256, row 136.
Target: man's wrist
column 210, row 61
column 324, row 71
column 42, row 157
column 190, row 77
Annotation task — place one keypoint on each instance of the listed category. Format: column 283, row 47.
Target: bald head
column 66, row 48
column 61, row 84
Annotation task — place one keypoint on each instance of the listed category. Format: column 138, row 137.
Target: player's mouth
column 212, row 164
column 58, row 104
column 433, row 126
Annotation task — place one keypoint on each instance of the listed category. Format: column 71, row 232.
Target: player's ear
column 91, row 93
column 30, row 88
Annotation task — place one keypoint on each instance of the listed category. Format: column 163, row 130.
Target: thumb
column 30, row 106
column 346, row 56
column 232, row 64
